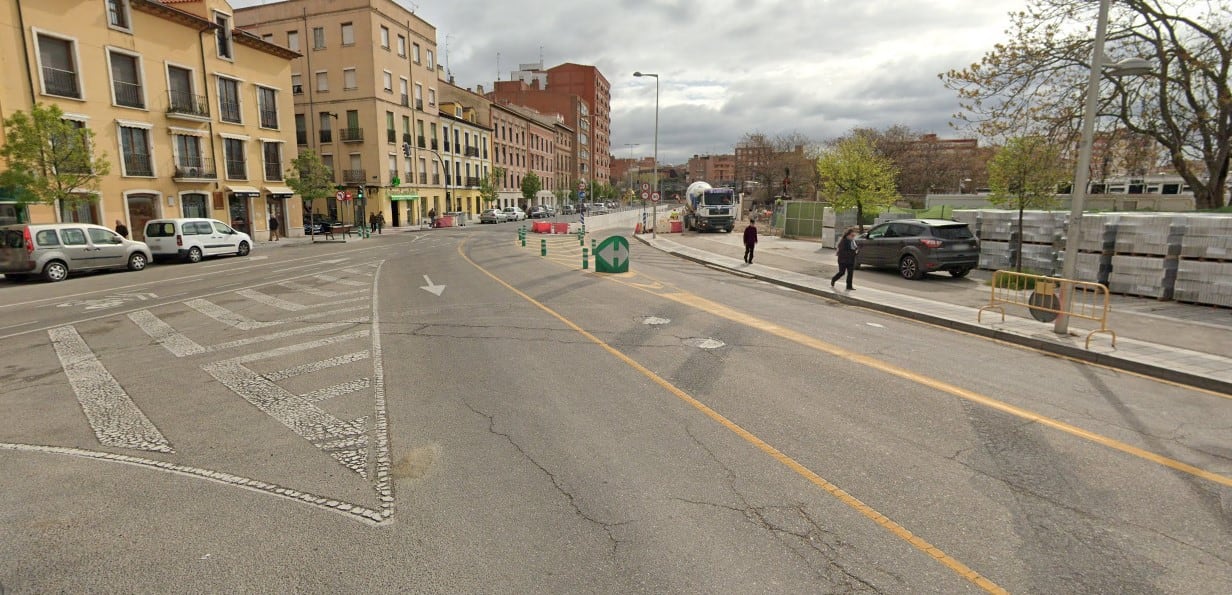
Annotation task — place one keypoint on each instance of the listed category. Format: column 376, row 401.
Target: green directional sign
column 612, row 255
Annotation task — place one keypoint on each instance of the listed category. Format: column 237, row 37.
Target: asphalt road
column 447, row 411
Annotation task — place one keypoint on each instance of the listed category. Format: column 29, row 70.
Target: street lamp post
column 1081, row 170
column 654, row 205
column 446, row 168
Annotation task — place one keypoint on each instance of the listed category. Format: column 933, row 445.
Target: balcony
column 423, row 178
column 195, row 168
column 301, row 137
column 472, row 182
column 435, row 144
column 406, row 138
column 229, row 111
column 472, row 151
column 391, row 136
column 128, row 94
column 269, row 118
column 61, row 82
column 188, row 105
column 327, row 136
column 446, row 146
column 406, row 101
column 297, row 89
column 419, row 104
column 393, row 173
column 422, row 142
column 351, row 135
column 436, row 179
column 273, row 171
column 236, row 169
column 354, row 176
column 136, row 164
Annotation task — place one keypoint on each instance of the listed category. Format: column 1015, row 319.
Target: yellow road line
column 898, row 530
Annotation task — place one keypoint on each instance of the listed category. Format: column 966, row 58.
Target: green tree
column 1025, row 174
column 531, row 185
column 854, row 175
column 1035, row 81
column 488, row 185
column 310, row 179
column 50, row 158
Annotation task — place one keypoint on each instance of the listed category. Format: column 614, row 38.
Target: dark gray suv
column 919, row 246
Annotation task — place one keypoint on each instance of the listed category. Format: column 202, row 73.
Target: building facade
column 366, row 100
column 194, row 115
column 717, row 170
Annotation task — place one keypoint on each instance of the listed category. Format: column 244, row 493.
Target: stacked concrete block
column 969, row 216
column 1093, row 268
column 1040, row 258
column 833, row 224
column 997, row 225
column 1098, row 233
column 1207, row 237
column 1156, row 235
column 995, row 255
column 1146, row 276
column 1204, row 282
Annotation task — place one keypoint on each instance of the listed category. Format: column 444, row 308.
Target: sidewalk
column 1178, row 342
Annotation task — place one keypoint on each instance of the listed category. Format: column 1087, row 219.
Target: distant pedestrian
column 750, row 241
column 380, row 221
column 273, row 228
column 121, row 229
column 847, row 249
column 432, row 217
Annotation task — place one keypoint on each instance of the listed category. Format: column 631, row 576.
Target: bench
column 344, row 230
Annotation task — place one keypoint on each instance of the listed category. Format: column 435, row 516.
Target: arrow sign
column 612, row 255
column 436, row 289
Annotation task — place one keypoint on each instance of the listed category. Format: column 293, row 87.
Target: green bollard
column 543, row 247
column 585, row 259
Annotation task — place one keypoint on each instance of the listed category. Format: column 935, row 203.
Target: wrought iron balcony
column 419, row 104
column 472, row 151
column 136, row 164
column 237, row 169
column 186, row 104
column 327, row 136
column 446, row 146
column 355, row 176
column 406, row 101
column 61, row 82
column 273, row 170
column 436, row 179
column 269, row 118
column 422, row 143
column 406, row 138
column 301, row 137
column 435, row 144
column 472, row 182
column 128, row 94
column 423, row 177
column 391, row 136
column 351, row 135
column 195, row 168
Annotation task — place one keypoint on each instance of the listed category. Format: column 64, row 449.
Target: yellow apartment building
column 466, row 149
column 194, row 115
column 365, row 92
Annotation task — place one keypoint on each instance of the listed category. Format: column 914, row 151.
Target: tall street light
column 1131, row 66
column 654, row 205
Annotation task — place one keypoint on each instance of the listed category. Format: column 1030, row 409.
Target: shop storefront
column 276, row 198
column 195, row 204
column 11, row 210
column 403, row 209
column 239, row 207
column 142, row 206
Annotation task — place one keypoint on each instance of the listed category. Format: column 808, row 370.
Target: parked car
column 540, row 212
column 193, row 239
column 54, row 250
column 493, row 216
column 515, row 213
column 568, row 209
column 920, row 246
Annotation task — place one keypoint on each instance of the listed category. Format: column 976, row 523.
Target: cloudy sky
column 817, row 67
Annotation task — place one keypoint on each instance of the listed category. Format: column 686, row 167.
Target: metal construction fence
column 1042, row 296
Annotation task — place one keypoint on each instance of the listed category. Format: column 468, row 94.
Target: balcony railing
column 327, row 136
column 391, row 136
column 269, row 118
column 393, row 173
column 187, row 104
column 196, row 168
column 423, row 178
column 136, row 164
column 406, row 138
column 273, row 170
column 435, row 144
column 472, row 151
column 419, row 104
column 128, row 94
column 448, row 180
column 297, row 89
column 354, row 175
column 351, row 135
column 446, row 146
column 422, row 143
column 436, row 179
column 406, row 101
column 472, row 182
column 61, row 82
column 301, row 137
column 237, row 169
column 229, row 111
column 410, row 175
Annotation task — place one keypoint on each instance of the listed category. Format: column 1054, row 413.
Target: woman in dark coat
column 750, row 240
column 847, row 249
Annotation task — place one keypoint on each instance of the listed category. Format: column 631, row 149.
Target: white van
column 194, row 239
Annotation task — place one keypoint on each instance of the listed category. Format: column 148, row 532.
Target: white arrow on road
column 614, row 253
column 437, row 289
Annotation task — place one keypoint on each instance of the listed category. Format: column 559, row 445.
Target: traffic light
column 406, row 149
column 360, row 193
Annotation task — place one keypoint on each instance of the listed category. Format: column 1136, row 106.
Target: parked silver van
column 53, row 250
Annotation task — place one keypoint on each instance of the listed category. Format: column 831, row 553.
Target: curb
column 1068, row 351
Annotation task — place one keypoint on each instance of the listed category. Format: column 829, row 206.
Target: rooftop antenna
column 448, row 72
column 498, row 66
column 540, row 57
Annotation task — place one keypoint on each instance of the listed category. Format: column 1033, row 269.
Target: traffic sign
column 612, row 255
column 645, row 196
column 582, row 185
column 654, row 197
column 581, row 194
column 340, row 195
column 645, row 186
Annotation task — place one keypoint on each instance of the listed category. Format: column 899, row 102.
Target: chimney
column 479, row 89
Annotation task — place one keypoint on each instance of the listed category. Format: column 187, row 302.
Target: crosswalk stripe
column 324, row 364
column 296, row 348
column 341, row 281
column 226, row 316
column 270, row 300
column 112, row 415
column 171, row 339
column 317, row 291
column 337, row 390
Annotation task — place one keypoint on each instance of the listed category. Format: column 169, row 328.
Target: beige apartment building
column 465, row 148
column 194, row 115
column 365, row 92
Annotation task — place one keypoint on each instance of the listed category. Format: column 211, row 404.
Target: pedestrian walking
column 121, row 229
column 847, row 249
column 432, row 217
column 750, row 241
column 273, row 228
column 380, row 221
column 372, row 222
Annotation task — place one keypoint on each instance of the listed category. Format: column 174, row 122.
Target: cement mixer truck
column 709, row 209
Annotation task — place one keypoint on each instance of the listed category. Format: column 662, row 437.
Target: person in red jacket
column 750, row 240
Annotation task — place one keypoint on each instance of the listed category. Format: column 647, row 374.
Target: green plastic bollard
column 585, row 258
column 543, row 247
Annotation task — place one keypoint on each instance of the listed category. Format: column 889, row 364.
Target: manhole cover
column 704, row 343
column 655, row 320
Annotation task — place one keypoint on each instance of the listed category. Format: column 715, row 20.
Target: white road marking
column 324, row 326
column 296, row 348
column 436, row 290
column 357, row 271
column 112, row 415
column 874, row 324
column 226, row 316
column 337, row 390
column 171, row 339
column 341, row 281
column 270, row 300
column 317, row 291
column 334, row 313
column 316, row 366
column 704, row 343
column 19, row 324
column 655, row 320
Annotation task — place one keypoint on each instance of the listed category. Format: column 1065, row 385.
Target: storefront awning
column 279, row 191
column 247, row 190
column 404, row 197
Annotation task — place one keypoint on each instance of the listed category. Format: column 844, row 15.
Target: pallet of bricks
column 1147, row 248
column 1096, row 247
column 1204, row 269
column 998, row 233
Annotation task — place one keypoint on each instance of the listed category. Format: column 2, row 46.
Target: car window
column 222, row 228
column 103, row 236
column 878, row 231
column 73, row 237
column 900, row 230
column 47, row 237
column 160, row 229
column 10, row 238
column 953, row 232
column 201, row 228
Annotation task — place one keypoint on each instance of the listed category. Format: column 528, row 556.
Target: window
column 402, row 90
column 388, row 79
column 233, row 148
column 349, row 82
column 318, row 38
column 268, row 38
column 117, row 14
column 135, row 151
column 59, row 66
column 431, row 97
column 126, row 80
column 322, row 81
column 348, row 34
column 401, row 46
column 73, row 236
column 301, row 130
column 183, row 100
column 293, row 40
column 430, row 66
column 272, row 153
column 223, row 35
column 188, row 160
column 415, row 52
column 384, row 37
column 229, row 100
column 267, row 105
column 391, row 133
column 297, row 84
column 77, row 146
column 418, row 96
column 327, row 127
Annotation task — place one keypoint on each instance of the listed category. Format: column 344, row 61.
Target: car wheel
column 194, row 254
column 959, row 273
column 909, row 268
column 243, row 249
column 55, row 271
column 137, row 262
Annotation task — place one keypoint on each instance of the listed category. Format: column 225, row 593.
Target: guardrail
column 1039, row 294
